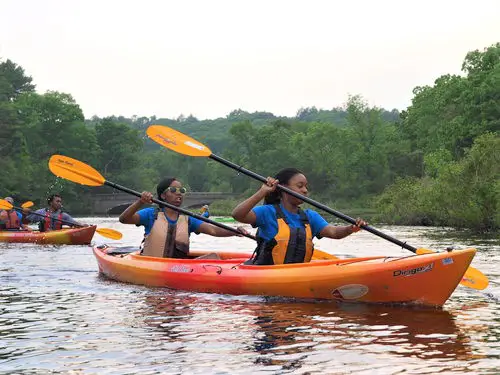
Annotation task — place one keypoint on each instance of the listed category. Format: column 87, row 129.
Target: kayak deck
column 418, row 279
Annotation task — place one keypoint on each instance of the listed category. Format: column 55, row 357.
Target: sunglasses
column 174, row 189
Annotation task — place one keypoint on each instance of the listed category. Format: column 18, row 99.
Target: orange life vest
column 166, row 240
column 290, row 245
column 12, row 222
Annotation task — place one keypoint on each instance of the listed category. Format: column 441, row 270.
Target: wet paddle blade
column 27, row 204
column 321, row 255
column 176, row 141
column 74, row 170
column 109, row 233
column 5, row 205
column 473, row 278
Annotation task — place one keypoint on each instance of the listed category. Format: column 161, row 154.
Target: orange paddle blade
column 109, row 233
column 321, row 255
column 74, row 170
column 421, row 251
column 5, row 205
column 473, row 278
column 27, row 204
column 176, row 141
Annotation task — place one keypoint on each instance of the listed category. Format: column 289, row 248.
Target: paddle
column 27, row 204
column 183, row 144
column 105, row 232
column 81, row 173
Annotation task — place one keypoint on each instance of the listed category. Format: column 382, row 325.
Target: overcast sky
column 209, row 57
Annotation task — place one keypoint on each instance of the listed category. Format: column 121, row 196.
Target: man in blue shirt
column 204, row 211
column 52, row 217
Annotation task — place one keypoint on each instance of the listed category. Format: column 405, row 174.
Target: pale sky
column 209, row 57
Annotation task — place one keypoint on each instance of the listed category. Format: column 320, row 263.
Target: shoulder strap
column 303, row 217
column 279, row 213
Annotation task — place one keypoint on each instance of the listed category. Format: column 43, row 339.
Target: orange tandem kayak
column 427, row 279
column 70, row 236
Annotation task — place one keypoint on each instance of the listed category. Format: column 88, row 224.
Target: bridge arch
column 116, row 203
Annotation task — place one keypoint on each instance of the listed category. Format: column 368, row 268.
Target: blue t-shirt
column 268, row 225
column 148, row 216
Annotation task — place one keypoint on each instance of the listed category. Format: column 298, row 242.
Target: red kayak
column 70, row 236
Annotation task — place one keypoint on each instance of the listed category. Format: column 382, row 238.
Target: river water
column 59, row 316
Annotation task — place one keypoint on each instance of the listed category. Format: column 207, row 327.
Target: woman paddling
column 166, row 232
column 285, row 232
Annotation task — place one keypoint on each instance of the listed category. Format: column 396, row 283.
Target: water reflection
column 289, row 328
column 58, row 316
column 168, row 312
column 285, row 334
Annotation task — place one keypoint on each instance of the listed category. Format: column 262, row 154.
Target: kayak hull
column 70, row 236
column 427, row 279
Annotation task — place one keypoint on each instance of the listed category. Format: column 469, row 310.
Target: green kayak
column 223, row 219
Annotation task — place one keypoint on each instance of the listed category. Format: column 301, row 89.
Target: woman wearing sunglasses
column 166, row 232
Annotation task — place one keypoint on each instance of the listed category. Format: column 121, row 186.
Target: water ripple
column 58, row 316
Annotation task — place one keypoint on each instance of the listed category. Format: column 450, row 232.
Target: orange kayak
column 70, row 236
column 427, row 279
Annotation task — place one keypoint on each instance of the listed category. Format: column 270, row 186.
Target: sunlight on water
column 58, row 315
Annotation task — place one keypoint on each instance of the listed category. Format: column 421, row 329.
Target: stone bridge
column 115, row 204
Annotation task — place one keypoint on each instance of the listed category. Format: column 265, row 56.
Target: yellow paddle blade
column 5, row 205
column 109, row 233
column 321, row 255
column 176, row 141
column 421, row 251
column 27, row 204
column 473, row 278
column 74, row 170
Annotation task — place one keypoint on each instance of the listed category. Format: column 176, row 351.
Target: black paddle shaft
column 181, row 210
column 340, row 215
column 36, row 213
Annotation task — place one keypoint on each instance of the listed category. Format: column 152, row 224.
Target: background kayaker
column 166, row 232
column 285, row 232
column 49, row 218
column 204, row 211
column 12, row 219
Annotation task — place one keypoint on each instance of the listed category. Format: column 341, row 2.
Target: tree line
column 435, row 163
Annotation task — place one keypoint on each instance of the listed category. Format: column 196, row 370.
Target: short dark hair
column 51, row 198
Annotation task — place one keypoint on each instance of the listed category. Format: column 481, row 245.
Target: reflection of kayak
column 422, row 329
column 70, row 236
column 223, row 219
column 427, row 279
